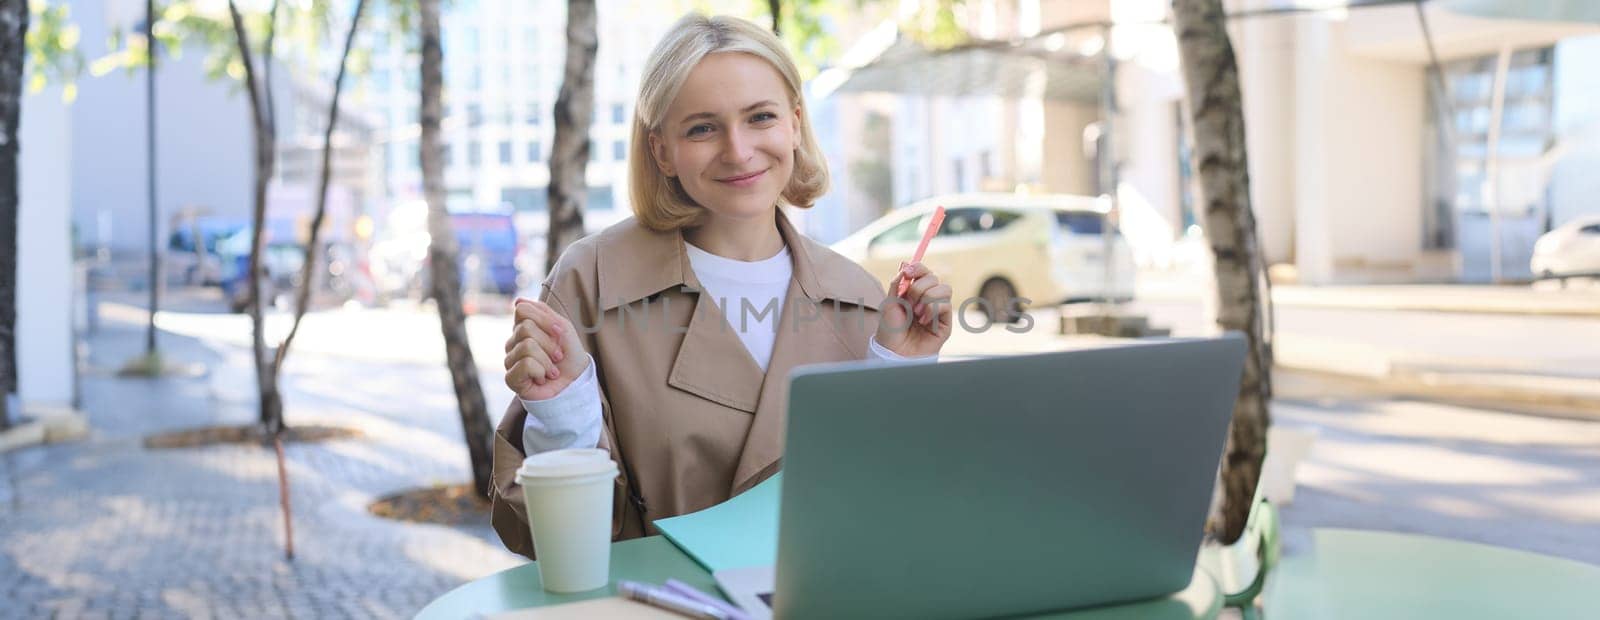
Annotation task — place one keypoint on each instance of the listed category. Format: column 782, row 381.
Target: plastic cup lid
column 567, row 463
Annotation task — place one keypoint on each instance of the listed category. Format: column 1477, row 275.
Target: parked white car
column 1570, row 250
column 1000, row 247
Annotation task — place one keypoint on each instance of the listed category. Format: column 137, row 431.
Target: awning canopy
column 1008, row 70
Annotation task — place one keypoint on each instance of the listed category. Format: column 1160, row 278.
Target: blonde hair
column 659, row 201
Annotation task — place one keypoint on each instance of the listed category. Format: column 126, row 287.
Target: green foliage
column 937, row 24
column 804, row 27
column 52, row 44
column 807, row 26
column 306, row 34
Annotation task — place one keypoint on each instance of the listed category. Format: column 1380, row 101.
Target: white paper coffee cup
column 568, row 495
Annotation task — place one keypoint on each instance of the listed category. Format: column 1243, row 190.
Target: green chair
column 1241, row 569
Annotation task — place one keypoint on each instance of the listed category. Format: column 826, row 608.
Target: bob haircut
column 659, row 201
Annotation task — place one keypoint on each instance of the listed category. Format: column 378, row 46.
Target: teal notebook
column 737, row 533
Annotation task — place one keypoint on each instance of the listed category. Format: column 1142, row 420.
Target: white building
column 46, row 373
column 503, row 64
column 203, row 159
column 1352, row 178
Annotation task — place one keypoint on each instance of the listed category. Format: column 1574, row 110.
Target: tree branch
column 304, row 295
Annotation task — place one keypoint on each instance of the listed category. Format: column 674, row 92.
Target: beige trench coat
column 688, row 414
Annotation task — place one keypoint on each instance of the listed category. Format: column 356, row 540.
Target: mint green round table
column 655, row 560
column 1376, row 575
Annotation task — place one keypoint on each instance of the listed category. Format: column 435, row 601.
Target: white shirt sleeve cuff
column 883, row 353
column 571, row 419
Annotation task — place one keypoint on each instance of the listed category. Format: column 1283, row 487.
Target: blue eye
column 699, row 130
column 764, row 116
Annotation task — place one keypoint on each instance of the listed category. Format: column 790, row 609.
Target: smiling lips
column 744, row 180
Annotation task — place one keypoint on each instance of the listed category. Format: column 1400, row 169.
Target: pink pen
column 933, row 227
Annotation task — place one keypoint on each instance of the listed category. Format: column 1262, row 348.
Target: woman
column 667, row 339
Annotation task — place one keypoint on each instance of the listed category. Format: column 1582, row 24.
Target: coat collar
column 653, row 261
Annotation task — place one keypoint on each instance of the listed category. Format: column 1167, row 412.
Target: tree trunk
column 442, row 261
column 1211, row 78
column 776, row 8
column 150, row 183
column 260, row 93
column 569, row 156
column 13, row 31
column 308, row 270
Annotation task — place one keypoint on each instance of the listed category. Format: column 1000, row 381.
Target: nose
column 737, row 146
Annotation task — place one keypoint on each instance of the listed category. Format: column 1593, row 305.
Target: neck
column 746, row 239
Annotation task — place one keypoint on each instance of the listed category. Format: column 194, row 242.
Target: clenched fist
column 544, row 354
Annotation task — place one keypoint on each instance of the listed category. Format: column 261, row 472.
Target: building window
column 449, row 155
column 535, row 113
column 534, row 155
column 618, row 114
column 1456, row 164
column 474, row 158
column 474, row 115
column 505, row 152
column 619, row 150
column 1186, row 180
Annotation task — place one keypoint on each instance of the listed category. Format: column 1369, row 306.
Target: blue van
column 492, row 239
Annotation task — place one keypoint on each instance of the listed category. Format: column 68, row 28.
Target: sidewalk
column 1540, row 300
column 1522, row 348
column 107, row 528
column 1577, row 299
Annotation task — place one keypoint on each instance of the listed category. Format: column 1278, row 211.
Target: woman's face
column 730, row 136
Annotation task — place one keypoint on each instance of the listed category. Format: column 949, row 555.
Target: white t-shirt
column 750, row 293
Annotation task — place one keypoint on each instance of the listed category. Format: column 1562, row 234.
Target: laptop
column 996, row 486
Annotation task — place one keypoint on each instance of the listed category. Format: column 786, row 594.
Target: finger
column 550, row 320
column 525, row 329
column 528, row 331
column 941, row 307
column 525, row 309
column 920, row 287
column 894, row 283
column 529, row 349
column 541, row 315
column 934, row 304
column 526, row 372
column 539, row 312
column 549, row 344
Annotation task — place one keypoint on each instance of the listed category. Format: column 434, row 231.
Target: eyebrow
column 765, row 102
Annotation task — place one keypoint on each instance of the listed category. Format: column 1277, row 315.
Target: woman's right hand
column 544, row 354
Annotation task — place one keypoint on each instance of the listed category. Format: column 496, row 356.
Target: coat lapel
column 810, row 331
column 712, row 362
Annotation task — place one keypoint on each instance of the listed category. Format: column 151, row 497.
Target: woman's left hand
column 919, row 323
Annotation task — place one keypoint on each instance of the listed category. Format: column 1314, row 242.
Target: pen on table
column 668, row 600
column 927, row 235
column 734, row 613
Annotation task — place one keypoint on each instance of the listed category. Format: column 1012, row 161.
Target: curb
column 1558, row 397
column 49, row 425
column 1528, row 303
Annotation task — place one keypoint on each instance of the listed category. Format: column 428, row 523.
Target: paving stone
column 105, row 528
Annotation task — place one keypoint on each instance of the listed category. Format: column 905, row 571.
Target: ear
column 658, row 149
column 794, row 121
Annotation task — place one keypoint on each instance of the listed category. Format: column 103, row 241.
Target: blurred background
column 1422, row 175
